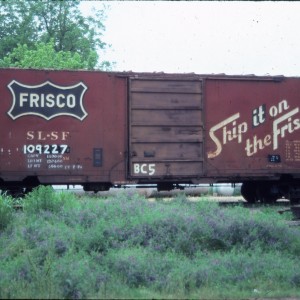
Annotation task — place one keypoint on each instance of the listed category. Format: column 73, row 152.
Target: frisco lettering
column 47, row 100
column 285, row 122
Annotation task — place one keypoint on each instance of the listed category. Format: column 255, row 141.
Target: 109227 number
column 46, row 149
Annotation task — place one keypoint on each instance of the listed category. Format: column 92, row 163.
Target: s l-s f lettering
column 51, row 135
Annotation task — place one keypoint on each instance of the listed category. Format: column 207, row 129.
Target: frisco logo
column 285, row 121
column 47, row 100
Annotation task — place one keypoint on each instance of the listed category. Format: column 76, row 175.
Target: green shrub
column 139, row 267
column 173, row 274
column 44, row 198
column 128, row 247
column 79, row 276
column 6, row 211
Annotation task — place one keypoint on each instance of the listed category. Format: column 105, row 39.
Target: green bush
column 44, row 198
column 61, row 246
column 79, row 277
column 6, row 211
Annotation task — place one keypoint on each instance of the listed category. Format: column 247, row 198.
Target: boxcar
column 101, row 129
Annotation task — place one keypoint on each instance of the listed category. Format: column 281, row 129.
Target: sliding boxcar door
column 165, row 129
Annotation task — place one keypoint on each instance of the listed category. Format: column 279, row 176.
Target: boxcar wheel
column 268, row 192
column 248, row 191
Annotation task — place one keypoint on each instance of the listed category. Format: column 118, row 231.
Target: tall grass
column 61, row 246
column 6, row 211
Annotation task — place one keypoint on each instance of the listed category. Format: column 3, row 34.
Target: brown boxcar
column 110, row 129
column 62, row 127
column 253, row 134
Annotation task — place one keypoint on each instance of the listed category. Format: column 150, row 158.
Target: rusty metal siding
column 166, row 128
column 168, row 134
column 165, row 86
column 97, row 144
column 252, row 127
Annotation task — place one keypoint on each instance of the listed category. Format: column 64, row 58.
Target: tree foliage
column 45, row 56
column 38, row 26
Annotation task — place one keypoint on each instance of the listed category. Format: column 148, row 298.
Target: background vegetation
column 62, row 246
column 50, row 34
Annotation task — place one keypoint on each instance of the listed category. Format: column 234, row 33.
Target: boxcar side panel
column 252, row 127
column 62, row 126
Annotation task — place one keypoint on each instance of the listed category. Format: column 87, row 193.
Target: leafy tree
column 33, row 25
column 16, row 26
column 45, row 56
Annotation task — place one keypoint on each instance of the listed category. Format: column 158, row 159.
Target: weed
column 6, row 211
column 44, row 198
column 128, row 247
